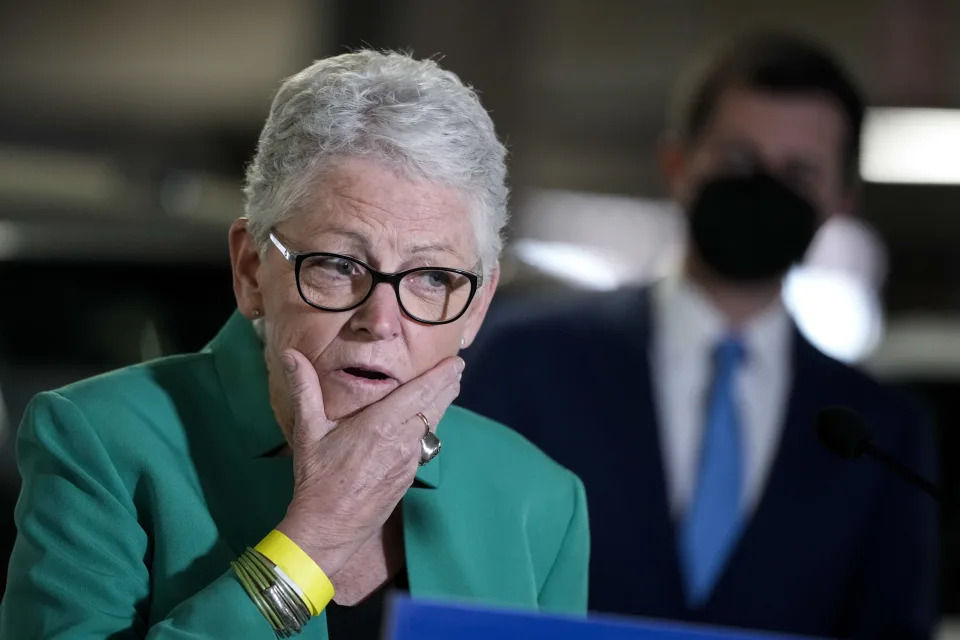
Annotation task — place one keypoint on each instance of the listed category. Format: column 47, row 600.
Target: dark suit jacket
column 835, row 547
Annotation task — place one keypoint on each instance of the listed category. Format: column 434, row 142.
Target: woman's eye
column 436, row 278
column 339, row 266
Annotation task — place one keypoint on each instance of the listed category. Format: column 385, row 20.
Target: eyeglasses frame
column 393, row 279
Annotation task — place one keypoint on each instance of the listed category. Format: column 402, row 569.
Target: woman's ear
column 245, row 262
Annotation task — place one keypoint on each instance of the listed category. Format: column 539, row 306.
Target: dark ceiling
column 578, row 89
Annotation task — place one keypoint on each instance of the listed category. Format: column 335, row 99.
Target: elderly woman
column 290, row 470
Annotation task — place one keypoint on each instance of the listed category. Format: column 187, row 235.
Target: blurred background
column 125, row 126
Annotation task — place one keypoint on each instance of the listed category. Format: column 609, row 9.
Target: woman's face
column 366, row 212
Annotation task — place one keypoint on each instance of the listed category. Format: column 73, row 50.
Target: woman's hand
column 350, row 475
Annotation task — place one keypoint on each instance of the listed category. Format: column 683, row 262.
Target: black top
column 364, row 620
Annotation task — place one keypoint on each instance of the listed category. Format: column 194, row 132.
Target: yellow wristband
column 299, row 567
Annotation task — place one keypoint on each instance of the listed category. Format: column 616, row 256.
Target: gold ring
column 426, row 423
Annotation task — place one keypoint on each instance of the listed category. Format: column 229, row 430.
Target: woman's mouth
column 369, row 374
column 364, row 376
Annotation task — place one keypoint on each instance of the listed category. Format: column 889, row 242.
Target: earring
column 463, row 342
column 256, row 313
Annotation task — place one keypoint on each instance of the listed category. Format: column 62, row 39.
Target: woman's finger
column 417, row 394
column 432, row 414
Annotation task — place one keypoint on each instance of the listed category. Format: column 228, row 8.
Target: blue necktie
column 713, row 520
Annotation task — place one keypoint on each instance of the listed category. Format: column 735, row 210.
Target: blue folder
column 419, row 620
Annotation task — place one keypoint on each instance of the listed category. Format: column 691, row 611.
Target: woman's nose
column 379, row 316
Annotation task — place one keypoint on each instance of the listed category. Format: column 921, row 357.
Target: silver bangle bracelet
column 278, row 603
column 278, row 598
column 293, row 592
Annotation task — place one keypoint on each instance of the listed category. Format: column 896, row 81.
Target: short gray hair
column 408, row 115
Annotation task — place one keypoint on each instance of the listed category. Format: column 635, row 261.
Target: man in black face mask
column 688, row 408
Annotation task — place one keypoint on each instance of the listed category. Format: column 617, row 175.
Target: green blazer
column 140, row 486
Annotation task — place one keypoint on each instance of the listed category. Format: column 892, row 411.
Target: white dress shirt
column 687, row 329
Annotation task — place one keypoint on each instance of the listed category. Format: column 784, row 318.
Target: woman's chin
column 343, row 396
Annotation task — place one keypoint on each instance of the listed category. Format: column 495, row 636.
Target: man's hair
column 776, row 63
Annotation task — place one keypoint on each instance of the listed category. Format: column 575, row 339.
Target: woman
column 310, row 427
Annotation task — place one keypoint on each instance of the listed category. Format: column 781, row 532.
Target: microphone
column 843, row 432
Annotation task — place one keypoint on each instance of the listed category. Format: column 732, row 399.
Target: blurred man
column 688, row 407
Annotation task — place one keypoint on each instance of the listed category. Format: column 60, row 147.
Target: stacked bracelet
column 276, row 596
column 284, row 582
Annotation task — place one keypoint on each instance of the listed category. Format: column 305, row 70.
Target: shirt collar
column 238, row 357
column 689, row 325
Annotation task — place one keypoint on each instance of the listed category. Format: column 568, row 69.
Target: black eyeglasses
column 333, row 282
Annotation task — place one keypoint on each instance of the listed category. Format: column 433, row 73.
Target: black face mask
column 750, row 228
